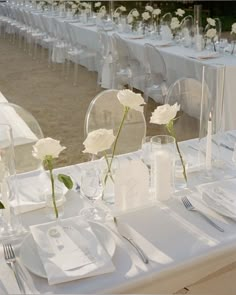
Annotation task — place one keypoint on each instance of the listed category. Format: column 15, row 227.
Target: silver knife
column 121, row 230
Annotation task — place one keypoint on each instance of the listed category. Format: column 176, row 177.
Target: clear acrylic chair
column 26, row 131
column 166, row 19
column 105, row 111
column 156, row 78
column 188, row 93
column 128, row 71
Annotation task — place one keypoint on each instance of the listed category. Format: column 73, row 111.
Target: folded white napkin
column 69, row 250
column 31, row 188
column 221, row 193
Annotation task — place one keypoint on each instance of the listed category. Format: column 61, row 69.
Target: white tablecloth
column 181, row 246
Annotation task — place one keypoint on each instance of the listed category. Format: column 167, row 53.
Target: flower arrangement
column 156, row 16
column 176, row 21
column 180, row 12
column 165, row 115
column 86, row 7
column 233, row 33
column 46, row 150
column 133, row 18
column 97, row 6
column 210, row 32
column 174, row 25
column 102, row 140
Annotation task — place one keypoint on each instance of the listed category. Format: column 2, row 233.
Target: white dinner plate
column 134, row 37
column 31, row 260
column 217, row 206
column 163, row 44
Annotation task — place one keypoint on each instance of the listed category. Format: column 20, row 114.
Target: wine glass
column 91, row 188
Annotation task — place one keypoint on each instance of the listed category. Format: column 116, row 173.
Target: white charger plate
column 31, row 260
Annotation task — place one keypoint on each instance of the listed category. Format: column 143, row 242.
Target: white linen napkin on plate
column 69, row 250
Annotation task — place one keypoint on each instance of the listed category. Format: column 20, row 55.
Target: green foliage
column 66, row 180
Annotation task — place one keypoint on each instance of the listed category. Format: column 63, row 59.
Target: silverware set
column 139, row 250
column 10, row 259
column 188, row 205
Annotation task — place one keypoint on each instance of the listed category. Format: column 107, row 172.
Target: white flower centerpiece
column 233, row 33
column 132, row 19
column 102, row 140
column 46, row 150
column 156, row 16
column 176, row 21
column 165, row 115
column 211, row 32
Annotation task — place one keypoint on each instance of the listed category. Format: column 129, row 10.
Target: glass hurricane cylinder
column 10, row 225
column 163, row 165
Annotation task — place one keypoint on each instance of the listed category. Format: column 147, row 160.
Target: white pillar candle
column 163, row 174
column 209, row 144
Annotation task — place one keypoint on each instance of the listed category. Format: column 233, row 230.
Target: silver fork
column 10, row 258
column 190, row 207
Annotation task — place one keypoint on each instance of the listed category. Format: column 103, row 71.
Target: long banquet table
column 179, row 60
column 181, row 246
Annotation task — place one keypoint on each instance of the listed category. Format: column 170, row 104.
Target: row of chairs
column 104, row 111
column 32, row 28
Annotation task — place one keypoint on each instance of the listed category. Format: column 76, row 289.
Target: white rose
column 211, row 22
column 164, row 114
column 47, row 147
column 180, row 12
column 211, row 33
column 149, row 8
column 233, row 31
column 130, row 19
column 156, row 11
column 135, row 13
column 77, row 1
column 145, row 15
column 174, row 23
column 130, row 99
column 97, row 4
column 74, row 6
column 122, row 8
column 98, row 141
column 84, row 4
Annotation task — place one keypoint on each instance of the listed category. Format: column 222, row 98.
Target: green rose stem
column 170, row 128
column 48, row 162
column 126, row 110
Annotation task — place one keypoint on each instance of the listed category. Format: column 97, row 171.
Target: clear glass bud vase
column 10, row 225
